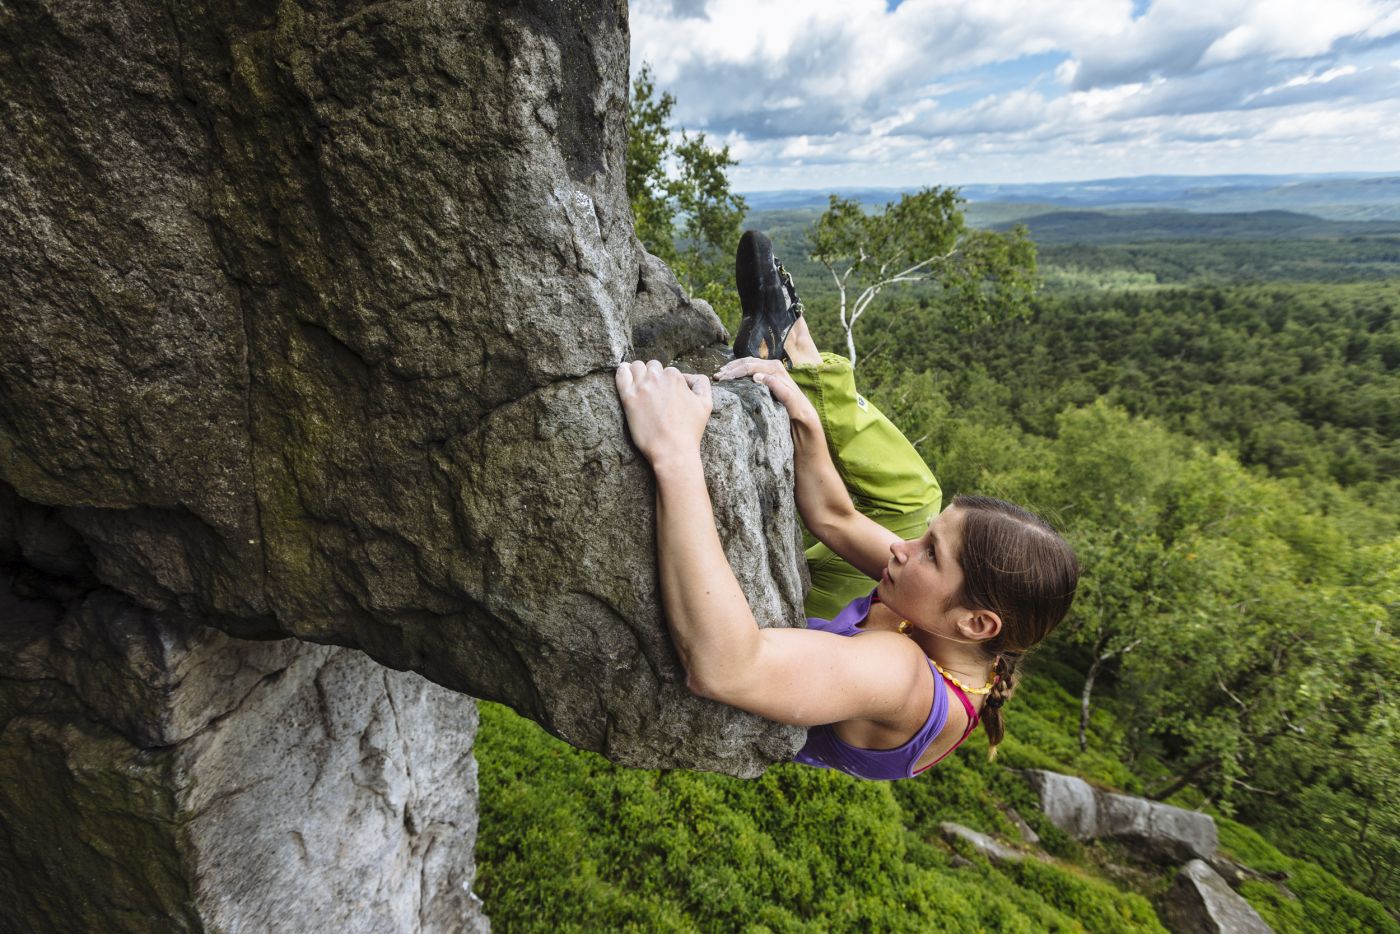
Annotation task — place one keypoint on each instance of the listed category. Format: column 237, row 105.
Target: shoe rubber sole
column 768, row 312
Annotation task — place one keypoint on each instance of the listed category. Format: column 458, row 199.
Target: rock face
column 310, row 315
column 158, row 776
column 1200, row 902
column 1157, row 831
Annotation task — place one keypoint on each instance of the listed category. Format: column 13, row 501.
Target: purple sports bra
column 825, row 750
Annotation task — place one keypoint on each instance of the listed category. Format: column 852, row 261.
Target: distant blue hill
column 1145, row 189
column 1334, row 196
column 1138, row 226
column 787, row 199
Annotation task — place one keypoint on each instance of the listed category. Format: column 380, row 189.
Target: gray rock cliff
column 309, row 315
column 156, row 776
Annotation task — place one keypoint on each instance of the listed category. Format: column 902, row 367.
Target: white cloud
column 1310, row 77
column 845, row 59
column 1387, row 26
column 1293, row 29
column 967, row 85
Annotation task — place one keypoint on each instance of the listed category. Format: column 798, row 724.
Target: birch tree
column 986, row 276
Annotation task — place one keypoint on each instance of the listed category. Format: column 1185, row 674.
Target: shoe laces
column 795, row 303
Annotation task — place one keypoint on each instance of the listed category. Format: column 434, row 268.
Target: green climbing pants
column 887, row 479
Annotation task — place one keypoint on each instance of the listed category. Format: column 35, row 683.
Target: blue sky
column 818, row 94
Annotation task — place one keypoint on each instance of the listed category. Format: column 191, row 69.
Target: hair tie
column 995, row 701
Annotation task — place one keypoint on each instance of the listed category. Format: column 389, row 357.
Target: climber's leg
column 887, row 479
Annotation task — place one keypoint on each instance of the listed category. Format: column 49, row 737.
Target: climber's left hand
column 666, row 410
column 774, row 375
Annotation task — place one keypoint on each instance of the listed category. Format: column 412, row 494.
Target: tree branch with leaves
column 683, row 184
column 923, row 237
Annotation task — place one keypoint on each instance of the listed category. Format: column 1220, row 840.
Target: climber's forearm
column 822, row 499
column 709, row 616
column 825, row 504
column 792, row 676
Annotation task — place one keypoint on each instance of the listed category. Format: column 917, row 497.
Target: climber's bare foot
column 802, row 350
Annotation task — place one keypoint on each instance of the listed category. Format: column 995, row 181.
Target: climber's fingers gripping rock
column 666, row 409
column 774, row 375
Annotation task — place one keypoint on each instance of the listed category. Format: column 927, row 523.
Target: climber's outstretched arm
column 822, row 498
column 793, row 676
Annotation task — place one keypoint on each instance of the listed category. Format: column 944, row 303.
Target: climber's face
column 923, row 583
column 923, row 580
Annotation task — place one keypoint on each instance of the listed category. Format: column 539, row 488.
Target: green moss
column 1245, row 846
column 1315, row 901
column 570, row 842
column 1093, row 903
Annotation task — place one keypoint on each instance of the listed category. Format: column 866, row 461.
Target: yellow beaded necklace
column 984, row 689
column 903, row 629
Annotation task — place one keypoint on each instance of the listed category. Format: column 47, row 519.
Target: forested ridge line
column 1287, row 352
column 1301, row 379
column 1097, row 255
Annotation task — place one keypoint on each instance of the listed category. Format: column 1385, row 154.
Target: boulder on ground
column 1201, row 902
column 1026, row 832
column 1156, row 831
column 982, row 843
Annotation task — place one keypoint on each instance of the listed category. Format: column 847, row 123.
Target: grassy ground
column 569, row 842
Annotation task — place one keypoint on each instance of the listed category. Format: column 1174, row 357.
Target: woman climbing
column 888, row 680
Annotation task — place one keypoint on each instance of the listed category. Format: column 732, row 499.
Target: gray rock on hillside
column 1156, row 831
column 1200, row 902
column 158, row 776
column 309, row 318
column 982, row 843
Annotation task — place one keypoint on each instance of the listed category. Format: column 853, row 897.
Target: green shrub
column 1097, row 906
column 1320, row 903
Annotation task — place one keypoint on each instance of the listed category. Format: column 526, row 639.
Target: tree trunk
column 1084, row 700
column 1191, row 774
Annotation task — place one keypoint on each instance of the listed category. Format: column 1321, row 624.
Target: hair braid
column 1016, row 565
column 1002, row 689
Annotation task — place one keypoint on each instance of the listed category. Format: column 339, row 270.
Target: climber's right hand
column 666, row 410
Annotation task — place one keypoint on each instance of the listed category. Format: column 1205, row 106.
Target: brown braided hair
column 1018, row 567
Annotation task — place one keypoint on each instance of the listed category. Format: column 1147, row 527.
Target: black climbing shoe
column 768, row 297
